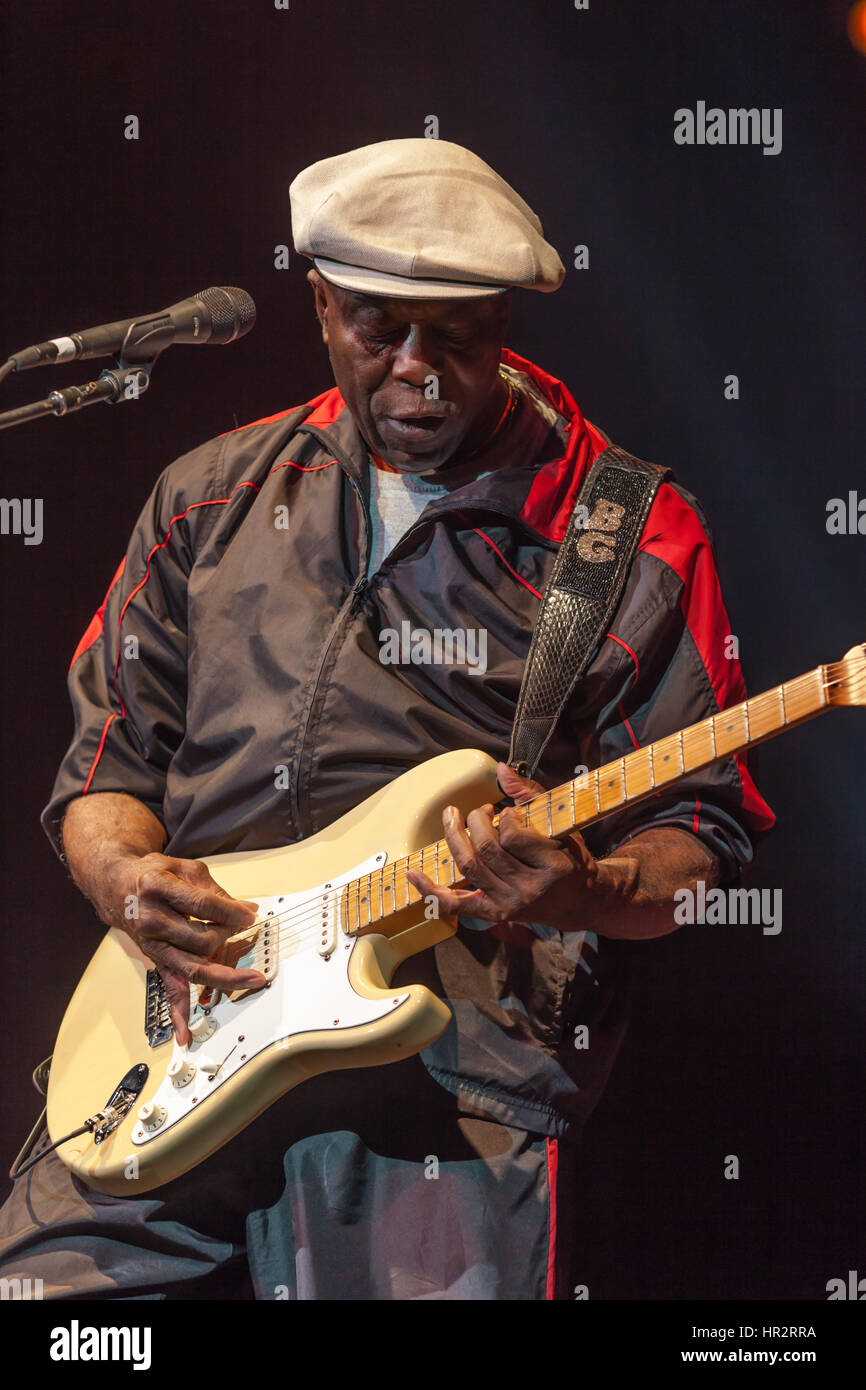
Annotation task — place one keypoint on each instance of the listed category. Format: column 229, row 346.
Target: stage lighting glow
column 857, row 25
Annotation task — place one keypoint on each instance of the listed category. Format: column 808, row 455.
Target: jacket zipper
column 358, row 591
column 346, row 610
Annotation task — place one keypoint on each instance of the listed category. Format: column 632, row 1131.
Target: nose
column 416, row 358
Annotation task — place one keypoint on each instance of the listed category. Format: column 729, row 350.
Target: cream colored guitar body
column 334, row 923
column 327, row 1005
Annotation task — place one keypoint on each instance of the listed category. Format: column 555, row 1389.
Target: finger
column 201, row 972
column 177, row 994
column 210, row 904
column 463, row 853
column 526, row 845
column 195, row 938
column 576, row 847
column 489, row 851
column 520, row 789
column 454, row 902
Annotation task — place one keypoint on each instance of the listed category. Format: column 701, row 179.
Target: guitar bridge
column 157, row 1018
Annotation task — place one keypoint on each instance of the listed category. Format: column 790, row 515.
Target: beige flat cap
column 419, row 219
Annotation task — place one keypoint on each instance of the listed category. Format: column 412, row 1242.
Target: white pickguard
column 310, row 992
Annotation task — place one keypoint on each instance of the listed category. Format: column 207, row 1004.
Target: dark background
column 703, row 262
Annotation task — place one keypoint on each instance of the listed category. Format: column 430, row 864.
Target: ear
column 321, row 298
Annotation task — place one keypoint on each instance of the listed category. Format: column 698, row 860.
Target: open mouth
column 414, row 427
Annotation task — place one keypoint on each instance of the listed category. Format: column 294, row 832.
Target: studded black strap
column 582, row 594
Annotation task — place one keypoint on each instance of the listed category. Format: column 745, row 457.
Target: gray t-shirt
column 396, row 502
column 398, row 499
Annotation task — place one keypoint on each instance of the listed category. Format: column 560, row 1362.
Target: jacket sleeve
column 671, row 660
column 127, row 680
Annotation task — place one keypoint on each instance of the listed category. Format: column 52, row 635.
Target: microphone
column 216, row 315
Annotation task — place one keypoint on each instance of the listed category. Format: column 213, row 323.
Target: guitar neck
column 637, row 775
column 610, row 788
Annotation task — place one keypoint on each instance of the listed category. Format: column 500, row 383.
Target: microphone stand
column 111, row 387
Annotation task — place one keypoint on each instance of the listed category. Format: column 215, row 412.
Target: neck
column 618, row 784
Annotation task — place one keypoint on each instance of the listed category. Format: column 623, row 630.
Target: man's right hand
column 152, row 897
column 113, row 845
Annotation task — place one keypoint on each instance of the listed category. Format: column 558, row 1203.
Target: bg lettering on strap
column 582, row 594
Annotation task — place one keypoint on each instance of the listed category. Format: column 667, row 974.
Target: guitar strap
column 582, row 594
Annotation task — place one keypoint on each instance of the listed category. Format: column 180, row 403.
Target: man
column 263, row 699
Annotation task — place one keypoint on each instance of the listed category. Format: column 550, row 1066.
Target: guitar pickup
column 260, row 952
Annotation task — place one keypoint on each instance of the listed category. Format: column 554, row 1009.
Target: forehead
column 355, row 304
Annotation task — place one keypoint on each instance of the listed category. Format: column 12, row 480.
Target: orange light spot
column 857, row 25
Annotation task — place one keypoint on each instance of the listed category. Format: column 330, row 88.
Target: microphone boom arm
column 123, row 382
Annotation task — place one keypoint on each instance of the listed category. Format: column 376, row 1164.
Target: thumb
column 520, row 789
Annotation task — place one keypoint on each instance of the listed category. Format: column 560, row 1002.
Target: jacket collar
column 541, row 494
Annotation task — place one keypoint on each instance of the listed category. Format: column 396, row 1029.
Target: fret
column 387, row 873
column 821, row 673
column 638, row 776
column 573, row 811
column 712, row 724
column 549, row 825
column 444, row 870
column 781, row 690
column 746, row 719
column 595, row 784
column 560, row 810
column 697, row 745
column 355, row 904
column 584, row 807
column 401, row 884
column 440, row 862
column 611, row 794
column 667, row 773
column 413, row 894
column 730, row 729
column 652, row 764
column 364, row 901
column 682, row 753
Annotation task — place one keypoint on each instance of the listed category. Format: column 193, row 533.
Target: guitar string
column 305, row 918
column 295, row 917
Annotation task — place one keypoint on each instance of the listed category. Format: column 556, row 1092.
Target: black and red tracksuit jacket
column 229, row 646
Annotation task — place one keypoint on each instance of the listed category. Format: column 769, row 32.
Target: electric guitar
column 337, row 915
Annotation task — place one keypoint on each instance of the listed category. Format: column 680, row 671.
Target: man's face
column 420, row 376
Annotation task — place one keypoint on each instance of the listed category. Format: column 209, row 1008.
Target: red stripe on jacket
column 326, row 407
column 676, row 536
column 94, row 627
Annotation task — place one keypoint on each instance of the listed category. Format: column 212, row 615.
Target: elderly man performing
column 429, row 490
